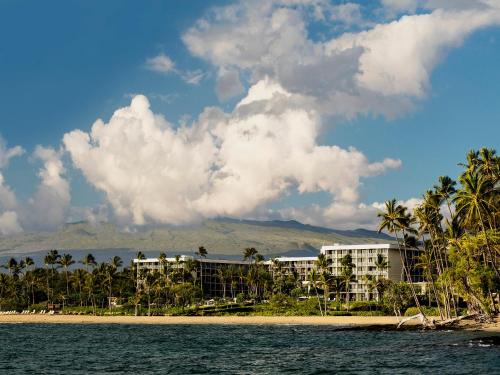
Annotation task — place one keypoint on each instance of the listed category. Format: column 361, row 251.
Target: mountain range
column 223, row 237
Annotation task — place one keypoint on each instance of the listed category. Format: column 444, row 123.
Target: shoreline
column 387, row 322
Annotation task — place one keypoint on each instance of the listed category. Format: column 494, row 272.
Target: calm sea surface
column 228, row 349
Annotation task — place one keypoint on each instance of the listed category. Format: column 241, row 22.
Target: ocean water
column 236, row 349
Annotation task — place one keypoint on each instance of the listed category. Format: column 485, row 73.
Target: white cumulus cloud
column 223, row 164
column 398, row 58
column 9, row 223
column 8, row 153
column 8, row 199
column 52, row 198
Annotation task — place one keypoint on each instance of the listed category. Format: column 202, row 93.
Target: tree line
column 94, row 285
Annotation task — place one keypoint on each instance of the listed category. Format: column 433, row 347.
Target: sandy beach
column 353, row 321
column 304, row 320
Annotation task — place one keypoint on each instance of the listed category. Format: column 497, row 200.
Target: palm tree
column 395, row 219
column 202, row 253
column 381, row 263
column 426, row 263
column 322, row 264
column 90, row 283
column 88, row 261
column 314, row 280
column 473, row 206
column 371, row 285
column 445, row 190
column 249, row 253
column 31, row 280
column 165, row 274
column 472, row 162
column 251, row 281
column 78, row 280
column 337, row 285
column 116, row 262
column 233, row 274
column 222, row 275
column 65, row 261
column 4, row 285
column 178, row 270
column 50, row 260
column 347, row 275
column 191, row 269
column 149, row 281
column 140, row 256
column 108, row 272
column 163, row 260
column 489, row 164
column 277, row 274
column 29, row 263
column 11, row 265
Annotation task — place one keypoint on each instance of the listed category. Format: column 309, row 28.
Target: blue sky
column 65, row 64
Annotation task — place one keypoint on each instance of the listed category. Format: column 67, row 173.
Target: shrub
column 398, row 297
column 363, row 306
column 240, row 297
column 429, row 311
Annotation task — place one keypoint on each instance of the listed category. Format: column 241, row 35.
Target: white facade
column 205, row 272
column 302, row 266
column 364, row 258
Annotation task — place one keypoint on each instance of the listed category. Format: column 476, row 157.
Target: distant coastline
column 386, row 322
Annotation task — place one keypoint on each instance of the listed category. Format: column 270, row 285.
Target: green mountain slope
column 220, row 236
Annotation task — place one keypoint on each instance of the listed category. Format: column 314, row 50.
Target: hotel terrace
column 363, row 257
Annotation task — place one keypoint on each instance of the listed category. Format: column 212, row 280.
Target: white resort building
column 219, row 277
column 364, row 258
column 301, row 266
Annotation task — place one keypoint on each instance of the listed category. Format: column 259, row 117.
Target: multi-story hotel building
column 364, row 258
column 300, row 266
column 218, row 277
column 227, row 277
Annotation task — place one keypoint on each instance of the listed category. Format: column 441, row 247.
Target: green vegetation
column 461, row 252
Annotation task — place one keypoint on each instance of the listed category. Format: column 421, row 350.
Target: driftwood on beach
column 432, row 324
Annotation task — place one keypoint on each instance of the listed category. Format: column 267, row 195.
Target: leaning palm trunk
column 67, row 281
column 325, row 297
column 149, row 303
column 80, row 294
column 440, row 267
column 448, row 286
column 347, row 296
column 440, row 263
column 433, row 285
column 430, row 277
column 410, row 281
column 319, row 301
